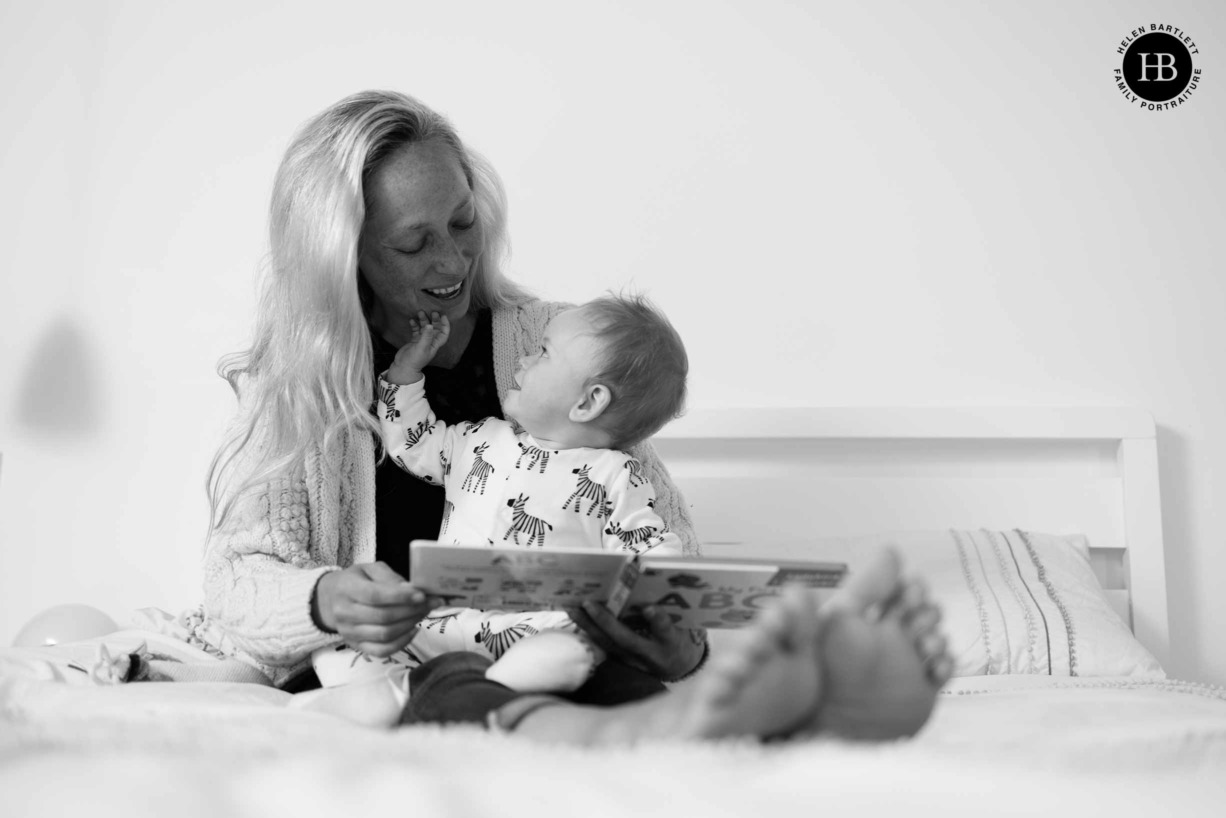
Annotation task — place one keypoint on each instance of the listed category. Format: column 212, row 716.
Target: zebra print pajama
column 502, row 489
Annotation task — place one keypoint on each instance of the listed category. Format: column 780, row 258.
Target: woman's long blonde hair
column 307, row 376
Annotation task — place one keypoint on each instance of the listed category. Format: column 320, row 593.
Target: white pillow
column 1014, row 601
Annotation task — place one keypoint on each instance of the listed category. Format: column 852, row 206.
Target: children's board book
column 696, row 592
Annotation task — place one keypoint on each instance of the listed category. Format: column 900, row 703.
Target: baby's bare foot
column 868, row 666
column 882, row 657
column 767, row 681
column 876, row 685
column 920, row 618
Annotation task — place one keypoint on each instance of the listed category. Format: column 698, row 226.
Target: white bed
column 768, row 482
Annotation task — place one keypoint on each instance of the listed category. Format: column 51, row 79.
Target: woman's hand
column 665, row 651
column 371, row 606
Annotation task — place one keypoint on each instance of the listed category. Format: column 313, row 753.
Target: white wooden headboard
column 768, row 481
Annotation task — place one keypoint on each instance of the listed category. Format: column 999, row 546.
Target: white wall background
column 878, row 203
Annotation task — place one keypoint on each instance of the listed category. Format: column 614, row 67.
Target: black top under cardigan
column 409, row 509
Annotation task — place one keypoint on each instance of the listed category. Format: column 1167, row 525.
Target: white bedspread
column 996, row 745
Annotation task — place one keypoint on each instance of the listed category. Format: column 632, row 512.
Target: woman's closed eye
column 459, row 228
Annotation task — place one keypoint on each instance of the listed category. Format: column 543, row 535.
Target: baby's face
column 550, row 382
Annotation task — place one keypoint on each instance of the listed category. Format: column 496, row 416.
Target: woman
column 380, row 211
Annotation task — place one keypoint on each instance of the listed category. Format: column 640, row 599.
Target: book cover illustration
column 694, row 592
column 515, row 579
column 723, row 594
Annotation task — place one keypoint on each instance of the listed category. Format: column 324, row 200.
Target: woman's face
column 421, row 240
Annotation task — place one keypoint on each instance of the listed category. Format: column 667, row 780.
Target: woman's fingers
column 379, row 586
column 657, row 652
column 381, row 631
column 603, row 628
column 358, row 614
column 683, row 648
column 613, row 629
column 387, row 634
column 371, row 594
column 378, row 571
column 589, row 626
column 662, row 625
column 666, row 651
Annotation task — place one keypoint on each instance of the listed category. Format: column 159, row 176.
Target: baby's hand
column 427, row 335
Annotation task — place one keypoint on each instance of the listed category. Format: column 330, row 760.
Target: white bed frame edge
column 838, row 471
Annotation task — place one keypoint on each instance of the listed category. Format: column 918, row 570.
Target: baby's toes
column 933, row 650
column 914, row 596
column 907, row 599
column 922, row 620
column 782, row 621
column 941, row 669
column 731, row 670
column 931, row 646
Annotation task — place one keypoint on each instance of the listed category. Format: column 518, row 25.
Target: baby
column 608, row 375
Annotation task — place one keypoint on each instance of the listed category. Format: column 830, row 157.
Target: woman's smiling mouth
column 446, row 293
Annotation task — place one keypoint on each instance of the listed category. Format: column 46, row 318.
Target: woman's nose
column 451, row 259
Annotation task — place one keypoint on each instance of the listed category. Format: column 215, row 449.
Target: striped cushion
column 1016, row 602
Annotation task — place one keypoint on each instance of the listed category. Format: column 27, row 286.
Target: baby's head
column 610, row 374
column 643, row 363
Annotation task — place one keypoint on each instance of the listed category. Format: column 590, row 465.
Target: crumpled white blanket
column 156, row 646
column 997, row 745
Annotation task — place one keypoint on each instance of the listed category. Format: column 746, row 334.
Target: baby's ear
column 595, row 399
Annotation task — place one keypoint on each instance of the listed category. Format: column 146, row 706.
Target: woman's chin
column 457, row 309
column 454, row 308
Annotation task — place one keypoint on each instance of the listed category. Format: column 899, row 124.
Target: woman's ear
column 591, row 405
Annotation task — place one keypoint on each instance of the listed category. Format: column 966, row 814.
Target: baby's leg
column 790, row 669
column 878, row 588
column 765, row 683
column 554, row 661
column 375, row 701
column 453, row 688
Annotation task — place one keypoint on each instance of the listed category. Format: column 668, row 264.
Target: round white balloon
column 64, row 623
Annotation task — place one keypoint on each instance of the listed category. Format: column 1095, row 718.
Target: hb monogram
column 1160, row 65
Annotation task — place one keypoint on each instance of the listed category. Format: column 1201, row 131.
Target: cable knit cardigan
column 260, row 574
